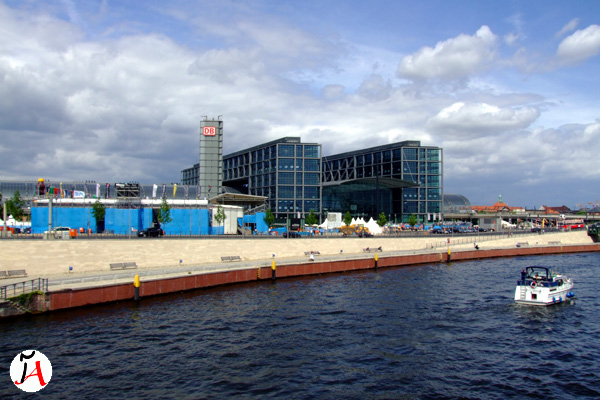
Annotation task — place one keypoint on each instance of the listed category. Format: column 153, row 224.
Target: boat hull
column 543, row 296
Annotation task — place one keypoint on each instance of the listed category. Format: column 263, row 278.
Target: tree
column 164, row 216
column 98, row 212
column 269, row 218
column 382, row 220
column 15, row 205
column 311, row 219
column 220, row 215
column 412, row 221
column 347, row 218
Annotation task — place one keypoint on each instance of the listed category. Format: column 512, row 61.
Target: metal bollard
column 136, row 287
column 273, row 270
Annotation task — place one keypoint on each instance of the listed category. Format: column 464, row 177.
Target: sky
column 114, row 91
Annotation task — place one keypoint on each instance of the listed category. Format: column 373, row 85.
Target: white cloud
column 451, row 59
column 579, row 46
column 480, row 119
column 75, row 107
column 569, row 27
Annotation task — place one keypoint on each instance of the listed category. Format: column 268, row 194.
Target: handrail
column 15, row 289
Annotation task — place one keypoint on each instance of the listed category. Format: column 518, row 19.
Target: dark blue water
column 427, row 332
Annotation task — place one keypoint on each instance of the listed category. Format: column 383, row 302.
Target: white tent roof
column 374, row 228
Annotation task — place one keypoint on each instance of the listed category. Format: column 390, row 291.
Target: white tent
column 374, row 228
column 324, row 225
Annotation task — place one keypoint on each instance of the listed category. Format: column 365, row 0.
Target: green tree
column 269, row 218
column 412, row 220
column 347, row 218
column 98, row 212
column 15, row 206
column 382, row 220
column 311, row 218
column 164, row 216
column 220, row 215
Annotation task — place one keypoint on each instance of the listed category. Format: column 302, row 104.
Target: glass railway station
column 287, row 176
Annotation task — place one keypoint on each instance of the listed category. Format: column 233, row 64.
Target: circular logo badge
column 30, row 370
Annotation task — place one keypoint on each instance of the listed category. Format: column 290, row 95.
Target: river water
column 440, row 331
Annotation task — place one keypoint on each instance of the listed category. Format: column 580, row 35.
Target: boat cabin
column 537, row 276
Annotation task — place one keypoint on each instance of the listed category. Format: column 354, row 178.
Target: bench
column 519, row 244
column 308, row 253
column 16, row 273
column 554, row 242
column 371, row 249
column 231, row 258
column 125, row 265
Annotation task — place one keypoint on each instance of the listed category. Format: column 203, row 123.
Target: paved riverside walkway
column 163, row 257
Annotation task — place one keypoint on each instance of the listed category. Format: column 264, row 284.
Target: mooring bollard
column 449, row 255
column 273, row 270
column 376, row 259
column 136, row 287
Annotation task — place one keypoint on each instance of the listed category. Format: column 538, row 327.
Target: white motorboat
column 542, row 286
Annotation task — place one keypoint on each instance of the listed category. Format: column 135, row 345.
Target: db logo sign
column 209, row 131
column 31, row 370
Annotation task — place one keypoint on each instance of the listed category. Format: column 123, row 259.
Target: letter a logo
column 31, row 370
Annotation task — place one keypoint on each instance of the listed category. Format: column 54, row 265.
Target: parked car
column 154, row 231
column 291, row 234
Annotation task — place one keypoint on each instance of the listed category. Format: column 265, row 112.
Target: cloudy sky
column 111, row 90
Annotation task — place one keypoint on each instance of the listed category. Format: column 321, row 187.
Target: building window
column 286, row 150
column 311, row 205
column 410, row 154
column 286, row 192
column 284, row 206
column 311, row 192
column 311, row 165
column 311, row 151
column 433, row 194
column 433, row 155
column 286, row 178
column 433, row 180
column 299, row 151
column 433, row 167
column 286, row 164
column 311, row 178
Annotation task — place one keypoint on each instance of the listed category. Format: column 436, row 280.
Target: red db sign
column 209, row 131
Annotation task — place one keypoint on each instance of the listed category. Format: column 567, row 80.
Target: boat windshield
column 541, row 273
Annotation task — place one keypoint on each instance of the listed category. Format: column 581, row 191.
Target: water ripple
column 430, row 332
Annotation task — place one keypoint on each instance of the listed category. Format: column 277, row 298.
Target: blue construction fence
column 185, row 221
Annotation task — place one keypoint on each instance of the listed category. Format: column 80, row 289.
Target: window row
column 291, row 206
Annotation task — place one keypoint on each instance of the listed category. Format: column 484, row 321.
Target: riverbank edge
column 63, row 299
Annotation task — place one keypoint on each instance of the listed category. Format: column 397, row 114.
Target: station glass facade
column 285, row 171
column 398, row 179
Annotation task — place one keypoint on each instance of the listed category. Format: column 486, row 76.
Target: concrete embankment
column 167, row 266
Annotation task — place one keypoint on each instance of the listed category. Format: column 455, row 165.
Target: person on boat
column 523, row 275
